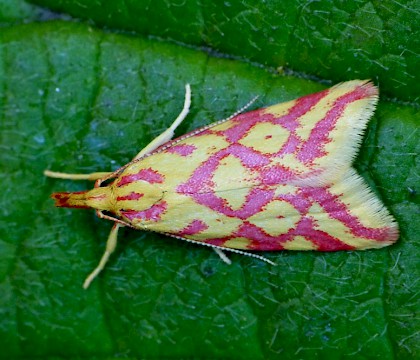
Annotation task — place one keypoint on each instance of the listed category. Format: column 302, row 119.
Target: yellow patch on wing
column 281, row 109
column 176, row 168
column 183, row 210
column 299, row 243
column 266, row 138
column 276, row 218
column 235, row 198
column 237, row 243
column 285, row 189
column 231, row 174
column 290, row 162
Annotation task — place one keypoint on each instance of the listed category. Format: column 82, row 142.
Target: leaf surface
column 328, row 39
column 76, row 99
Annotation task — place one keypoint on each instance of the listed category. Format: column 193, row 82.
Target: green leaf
column 328, row 39
column 76, row 99
column 18, row 11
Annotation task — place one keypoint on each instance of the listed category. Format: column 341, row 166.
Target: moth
column 277, row 178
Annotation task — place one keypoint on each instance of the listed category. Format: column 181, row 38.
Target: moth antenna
column 221, row 249
column 242, row 109
column 203, row 128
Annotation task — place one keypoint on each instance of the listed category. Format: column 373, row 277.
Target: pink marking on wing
column 250, row 158
column 149, row 175
column 306, row 226
column 254, row 203
column 299, row 202
column 290, row 146
column 322, row 240
column 260, row 240
column 244, row 122
column 339, row 211
column 182, row 149
column 314, row 147
column 195, row 227
column 289, row 121
column 218, row 241
column 154, row 213
column 201, row 180
column 131, row 196
column 276, row 174
column 301, row 107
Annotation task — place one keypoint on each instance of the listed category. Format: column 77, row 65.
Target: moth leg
column 92, row 176
column 168, row 133
column 111, row 244
column 222, row 256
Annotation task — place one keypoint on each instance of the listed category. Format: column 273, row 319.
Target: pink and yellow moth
column 277, row 178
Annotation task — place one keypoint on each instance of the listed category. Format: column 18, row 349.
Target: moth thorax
column 138, row 196
column 100, row 198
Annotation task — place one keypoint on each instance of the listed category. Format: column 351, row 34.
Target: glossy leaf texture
column 335, row 40
column 77, row 99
